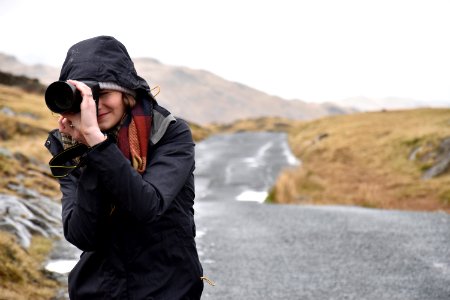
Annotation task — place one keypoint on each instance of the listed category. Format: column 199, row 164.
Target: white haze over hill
column 394, row 53
column 389, row 103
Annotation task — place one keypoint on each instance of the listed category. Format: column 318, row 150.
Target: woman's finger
column 88, row 103
column 60, row 123
column 85, row 90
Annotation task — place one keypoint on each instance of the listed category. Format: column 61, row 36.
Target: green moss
column 271, row 198
column 368, row 204
column 412, row 142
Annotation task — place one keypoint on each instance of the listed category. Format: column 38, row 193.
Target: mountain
column 210, row 98
column 197, row 95
column 45, row 74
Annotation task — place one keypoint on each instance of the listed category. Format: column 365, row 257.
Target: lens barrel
column 62, row 97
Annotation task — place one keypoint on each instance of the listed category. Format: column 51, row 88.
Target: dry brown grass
column 362, row 159
column 199, row 132
column 258, row 124
column 23, row 135
column 21, row 274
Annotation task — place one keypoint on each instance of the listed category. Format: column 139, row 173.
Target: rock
column 413, row 154
column 24, row 217
column 46, row 215
column 7, row 111
column 11, row 206
column 23, row 191
column 33, row 228
column 442, row 161
column 5, row 152
column 18, row 230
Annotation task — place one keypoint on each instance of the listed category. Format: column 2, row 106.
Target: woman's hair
column 128, row 100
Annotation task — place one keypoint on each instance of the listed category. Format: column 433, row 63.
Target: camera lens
column 61, row 97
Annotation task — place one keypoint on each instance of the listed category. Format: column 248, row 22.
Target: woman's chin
column 104, row 126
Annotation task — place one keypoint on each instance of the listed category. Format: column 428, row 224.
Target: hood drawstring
column 209, row 281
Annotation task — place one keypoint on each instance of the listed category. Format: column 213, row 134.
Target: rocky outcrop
column 433, row 157
column 32, row 214
column 29, row 213
column 441, row 161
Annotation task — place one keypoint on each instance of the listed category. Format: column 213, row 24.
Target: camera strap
column 62, row 165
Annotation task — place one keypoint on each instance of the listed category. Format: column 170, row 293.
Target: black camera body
column 63, row 97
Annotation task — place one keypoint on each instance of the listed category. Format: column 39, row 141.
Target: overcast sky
column 316, row 50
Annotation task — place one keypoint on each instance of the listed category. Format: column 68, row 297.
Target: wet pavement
column 262, row 251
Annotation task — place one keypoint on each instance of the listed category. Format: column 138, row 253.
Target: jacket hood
column 102, row 59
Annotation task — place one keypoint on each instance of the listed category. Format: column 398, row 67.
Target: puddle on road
column 254, row 196
column 61, row 266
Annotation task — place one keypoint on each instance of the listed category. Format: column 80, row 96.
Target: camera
column 63, row 97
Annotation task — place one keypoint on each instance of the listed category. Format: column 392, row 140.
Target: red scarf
column 134, row 134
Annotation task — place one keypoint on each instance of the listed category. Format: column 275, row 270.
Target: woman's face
column 111, row 109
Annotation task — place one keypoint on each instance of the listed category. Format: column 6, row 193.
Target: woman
column 129, row 204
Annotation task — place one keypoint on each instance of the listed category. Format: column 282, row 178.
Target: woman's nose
column 99, row 104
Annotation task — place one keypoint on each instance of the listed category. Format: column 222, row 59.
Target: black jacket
column 137, row 231
column 145, row 248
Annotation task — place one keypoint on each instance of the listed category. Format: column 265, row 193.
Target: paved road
column 260, row 251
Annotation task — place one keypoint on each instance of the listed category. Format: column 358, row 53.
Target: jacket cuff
column 100, row 146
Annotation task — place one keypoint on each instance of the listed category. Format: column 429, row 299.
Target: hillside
column 196, row 95
column 377, row 159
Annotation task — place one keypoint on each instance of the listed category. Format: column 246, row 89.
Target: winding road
column 262, row 251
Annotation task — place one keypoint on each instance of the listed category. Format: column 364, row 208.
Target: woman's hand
column 67, row 125
column 82, row 126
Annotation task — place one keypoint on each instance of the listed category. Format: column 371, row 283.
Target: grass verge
column 366, row 160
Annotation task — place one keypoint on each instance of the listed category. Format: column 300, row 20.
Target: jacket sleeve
column 146, row 197
column 84, row 211
column 84, row 206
